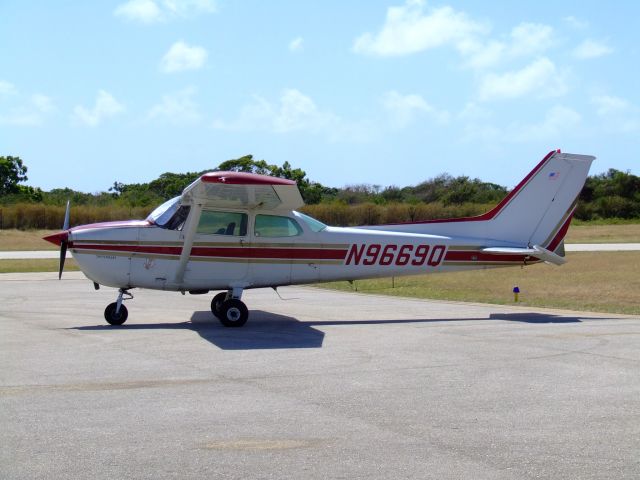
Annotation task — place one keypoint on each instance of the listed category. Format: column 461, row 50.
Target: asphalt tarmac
column 318, row 384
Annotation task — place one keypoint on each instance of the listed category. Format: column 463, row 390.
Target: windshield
column 161, row 215
column 170, row 214
column 312, row 223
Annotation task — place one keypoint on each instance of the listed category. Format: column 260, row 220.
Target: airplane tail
column 534, row 217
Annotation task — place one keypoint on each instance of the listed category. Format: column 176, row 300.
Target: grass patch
column 590, row 281
column 607, row 221
column 595, row 233
column 15, row 240
column 36, row 265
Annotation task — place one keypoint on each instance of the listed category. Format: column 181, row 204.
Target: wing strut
column 189, row 236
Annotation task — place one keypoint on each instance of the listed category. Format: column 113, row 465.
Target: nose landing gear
column 116, row 313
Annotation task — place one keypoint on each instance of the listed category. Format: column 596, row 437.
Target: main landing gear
column 116, row 313
column 226, row 306
column 229, row 309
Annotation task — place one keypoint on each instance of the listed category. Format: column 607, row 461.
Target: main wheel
column 233, row 313
column 114, row 318
column 216, row 303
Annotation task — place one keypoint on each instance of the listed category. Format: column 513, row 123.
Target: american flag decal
column 554, row 175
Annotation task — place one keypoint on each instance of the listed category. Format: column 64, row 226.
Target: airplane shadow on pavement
column 264, row 331
column 267, row 330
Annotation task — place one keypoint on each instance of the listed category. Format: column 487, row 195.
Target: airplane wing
column 243, row 190
column 536, row 251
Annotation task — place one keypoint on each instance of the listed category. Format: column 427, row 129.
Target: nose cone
column 57, row 238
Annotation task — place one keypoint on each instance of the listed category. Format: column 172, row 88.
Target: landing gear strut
column 229, row 309
column 116, row 313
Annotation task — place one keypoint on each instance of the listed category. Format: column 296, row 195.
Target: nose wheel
column 113, row 316
column 116, row 313
column 229, row 309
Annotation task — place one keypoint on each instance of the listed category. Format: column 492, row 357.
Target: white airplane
column 233, row 231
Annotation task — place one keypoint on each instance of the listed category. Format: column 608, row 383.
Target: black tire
column 115, row 319
column 216, row 303
column 233, row 313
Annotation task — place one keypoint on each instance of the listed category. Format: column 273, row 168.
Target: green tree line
column 613, row 194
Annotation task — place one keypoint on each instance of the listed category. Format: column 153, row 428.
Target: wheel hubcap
column 233, row 314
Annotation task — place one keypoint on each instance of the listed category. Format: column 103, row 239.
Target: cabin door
column 219, row 255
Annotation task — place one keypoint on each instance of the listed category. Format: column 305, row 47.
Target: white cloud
column 557, row 121
column 405, row 108
column 576, row 23
column 474, row 112
column 591, row 49
column 106, row 106
column 619, row 115
column 296, row 45
column 7, row 88
column 482, row 55
column 29, row 114
column 530, row 38
column 413, row 28
column 293, row 112
column 187, row 8
column 608, row 104
column 154, row 11
column 525, row 39
column 21, row 117
column 42, row 103
column 145, row 11
column 177, row 108
column 540, row 78
column 410, row 29
column 182, row 57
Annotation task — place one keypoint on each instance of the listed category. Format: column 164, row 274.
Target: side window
column 222, row 223
column 275, row 226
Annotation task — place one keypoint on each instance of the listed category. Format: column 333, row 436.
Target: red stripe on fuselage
column 289, row 253
column 225, row 252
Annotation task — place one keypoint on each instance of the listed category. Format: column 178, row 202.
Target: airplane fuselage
column 140, row 254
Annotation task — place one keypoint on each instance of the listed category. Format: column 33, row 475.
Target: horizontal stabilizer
column 536, row 251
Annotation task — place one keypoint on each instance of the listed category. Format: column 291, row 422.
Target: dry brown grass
column 604, row 233
column 590, row 281
column 14, row 240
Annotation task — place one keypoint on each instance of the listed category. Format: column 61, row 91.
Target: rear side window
column 276, row 226
column 222, row 223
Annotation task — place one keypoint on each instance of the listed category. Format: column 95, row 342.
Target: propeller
column 64, row 240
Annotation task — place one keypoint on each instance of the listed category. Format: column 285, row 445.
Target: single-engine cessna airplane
column 233, row 231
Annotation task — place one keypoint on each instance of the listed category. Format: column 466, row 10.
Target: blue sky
column 380, row 92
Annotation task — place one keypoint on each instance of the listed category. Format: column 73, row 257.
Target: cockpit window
column 170, row 215
column 223, row 223
column 312, row 223
column 276, row 226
